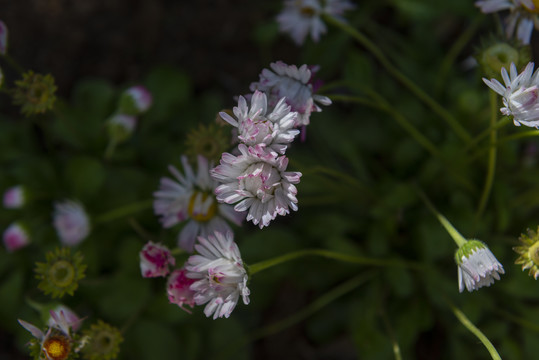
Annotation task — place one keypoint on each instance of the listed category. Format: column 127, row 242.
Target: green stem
column 474, row 330
column 337, row 174
column 304, row 313
column 266, row 264
column 356, row 99
column 411, row 129
column 124, row 211
column 489, row 180
column 393, row 71
column 501, row 123
column 449, row 59
column 109, row 151
column 457, row 237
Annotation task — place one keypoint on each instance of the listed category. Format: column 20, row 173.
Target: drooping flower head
column 155, row 260
column 256, row 125
column 15, row 197
column 135, row 100
column 257, row 182
column 190, row 197
column 520, row 95
column 15, row 237
column 529, row 253
column 300, row 18
column 71, row 222
column 477, row 266
column 219, row 274
column 295, row 85
column 61, row 273
column 522, row 16
column 178, row 289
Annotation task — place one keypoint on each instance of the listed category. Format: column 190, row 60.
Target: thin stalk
column 399, row 76
column 474, row 330
column 355, row 99
column 449, row 59
column 457, row 237
column 501, row 123
column 489, row 179
column 266, row 264
column 337, row 174
column 124, row 211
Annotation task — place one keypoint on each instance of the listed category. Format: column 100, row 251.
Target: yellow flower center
column 533, row 253
column 202, row 206
column 57, row 347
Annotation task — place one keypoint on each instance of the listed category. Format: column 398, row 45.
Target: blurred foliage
column 356, row 197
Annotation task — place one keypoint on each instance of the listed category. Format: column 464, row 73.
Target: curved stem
column 474, row 330
column 457, row 237
column 393, row 71
column 266, row 264
column 124, row 211
column 489, row 180
column 501, row 123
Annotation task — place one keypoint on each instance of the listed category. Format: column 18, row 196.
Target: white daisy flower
column 300, row 18
column 71, row 222
column 520, row 95
column 219, row 274
column 256, row 125
column 256, row 181
column 477, row 266
column 295, row 85
column 522, row 17
column 190, row 197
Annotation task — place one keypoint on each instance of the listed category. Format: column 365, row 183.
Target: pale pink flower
column 300, row 18
column 257, row 125
column 155, row 260
column 178, row 289
column 520, row 95
column 295, row 85
column 3, row 37
column 142, row 98
column 15, row 237
column 219, row 274
column 14, row 197
column 190, row 197
column 256, row 181
column 63, row 318
column 71, row 222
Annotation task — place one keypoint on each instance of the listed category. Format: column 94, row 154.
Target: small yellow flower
column 61, row 273
column 529, row 253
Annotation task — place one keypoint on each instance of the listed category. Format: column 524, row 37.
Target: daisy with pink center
column 190, row 197
column 155, row 260
column 295, row 85
column 520, row 94
column 256, row 125
column 219, row 275
column 257, row 182
column 178, row 289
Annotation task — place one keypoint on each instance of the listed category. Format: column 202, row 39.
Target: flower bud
column 135, row 101
column 121, row 126
column 14, row 197
column 15, row 237
column 155, row 260
column 477, row 266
